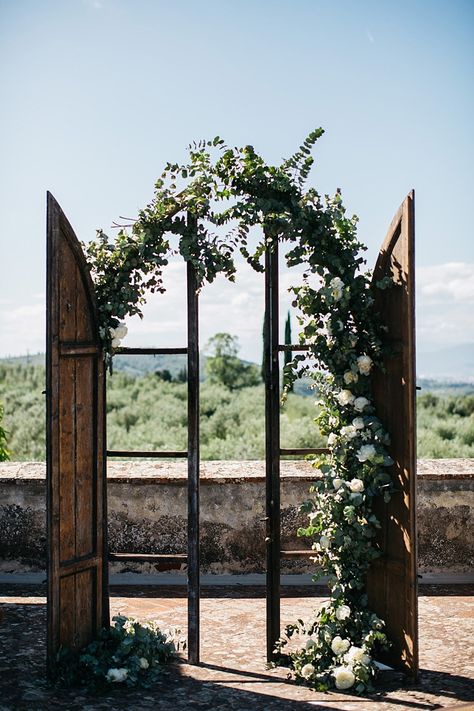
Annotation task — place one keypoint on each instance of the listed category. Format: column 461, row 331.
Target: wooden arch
column 76, row 476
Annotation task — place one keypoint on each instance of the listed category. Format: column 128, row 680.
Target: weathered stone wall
column 147, row 513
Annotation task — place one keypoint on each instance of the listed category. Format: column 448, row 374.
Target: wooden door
column 76, row 493
column 392, row 583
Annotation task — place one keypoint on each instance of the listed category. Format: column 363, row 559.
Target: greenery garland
column 336, row 301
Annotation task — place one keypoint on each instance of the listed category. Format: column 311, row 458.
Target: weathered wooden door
column 76, row 495
column 392, row 583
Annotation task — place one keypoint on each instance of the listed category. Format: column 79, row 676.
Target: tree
column 287, row 354
column 223, row 366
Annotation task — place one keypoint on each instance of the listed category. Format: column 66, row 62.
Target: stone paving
column 233, row 675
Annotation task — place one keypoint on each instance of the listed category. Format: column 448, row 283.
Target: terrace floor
column 233, row 674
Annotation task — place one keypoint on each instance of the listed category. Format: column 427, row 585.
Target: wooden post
column 193, row 464
column 272, row 448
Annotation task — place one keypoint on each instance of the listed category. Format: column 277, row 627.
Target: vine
column 336, row 303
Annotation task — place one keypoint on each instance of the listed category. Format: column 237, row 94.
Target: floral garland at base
column 129, row 652
column 339, row 321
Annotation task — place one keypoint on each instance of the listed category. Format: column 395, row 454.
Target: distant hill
column 430, row 367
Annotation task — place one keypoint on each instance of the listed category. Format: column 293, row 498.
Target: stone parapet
column 147, row 513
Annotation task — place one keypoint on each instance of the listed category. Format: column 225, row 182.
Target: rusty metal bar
column 193, row 463
column 151, row 455
column 272, row 447
column 304, row 450
column 150, row 351
column 148, row 557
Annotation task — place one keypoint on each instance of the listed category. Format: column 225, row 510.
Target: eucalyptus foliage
column 234, row 187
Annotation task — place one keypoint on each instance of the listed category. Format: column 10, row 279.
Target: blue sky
column 97, row 95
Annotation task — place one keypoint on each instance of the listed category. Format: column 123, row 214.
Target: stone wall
column 147, row 513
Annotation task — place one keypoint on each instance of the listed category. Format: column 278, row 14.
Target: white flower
column 307, row 671
column 344, row 677
column 129, row 627
column 115, row 342
column 117, row 675
column 360, row 403
column 336, row 286
column 339, row 645
column 350, row 377
column 345, row 397
column 144, row 663
column 356, row 486
column 333, row 421
column 331, row 439
column 121, row 331
column 324, row 542
column 366, row 453
column 364, row 363
column 343, row 612
column 358, row 423
column 349, row 431
column 357, row 654
column 337, row 483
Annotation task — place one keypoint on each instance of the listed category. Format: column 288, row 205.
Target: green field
column 145, row 412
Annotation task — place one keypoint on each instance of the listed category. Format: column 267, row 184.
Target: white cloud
column 445, row 311
column 23, row 329
column 445, row 304
column 453, row 281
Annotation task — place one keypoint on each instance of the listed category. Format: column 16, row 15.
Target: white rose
column 337, row 483
column 358, row 423
column 366, row 453
column 349, row 431
column 344, row 677
column 331, row 439
column 360, row 403
column 345, row 397
column 116, row 675
column 364, row 363
column 350, row 377
column 356, row 486
column 357, row 654
column 339, row 645
column 121, row 331
column 336, row 286
column 324, row 542
column 115, row 342
column 144, row 663
column 307, row 671
column 343, row 612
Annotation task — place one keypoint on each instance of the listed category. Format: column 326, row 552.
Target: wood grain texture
column 392, row 582
column 76, row 506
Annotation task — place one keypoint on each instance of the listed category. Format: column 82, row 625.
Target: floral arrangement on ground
column 129, row 652
column 338, row 321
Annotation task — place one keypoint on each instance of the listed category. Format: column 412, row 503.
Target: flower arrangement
column 129, row 652
column 338, row 320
